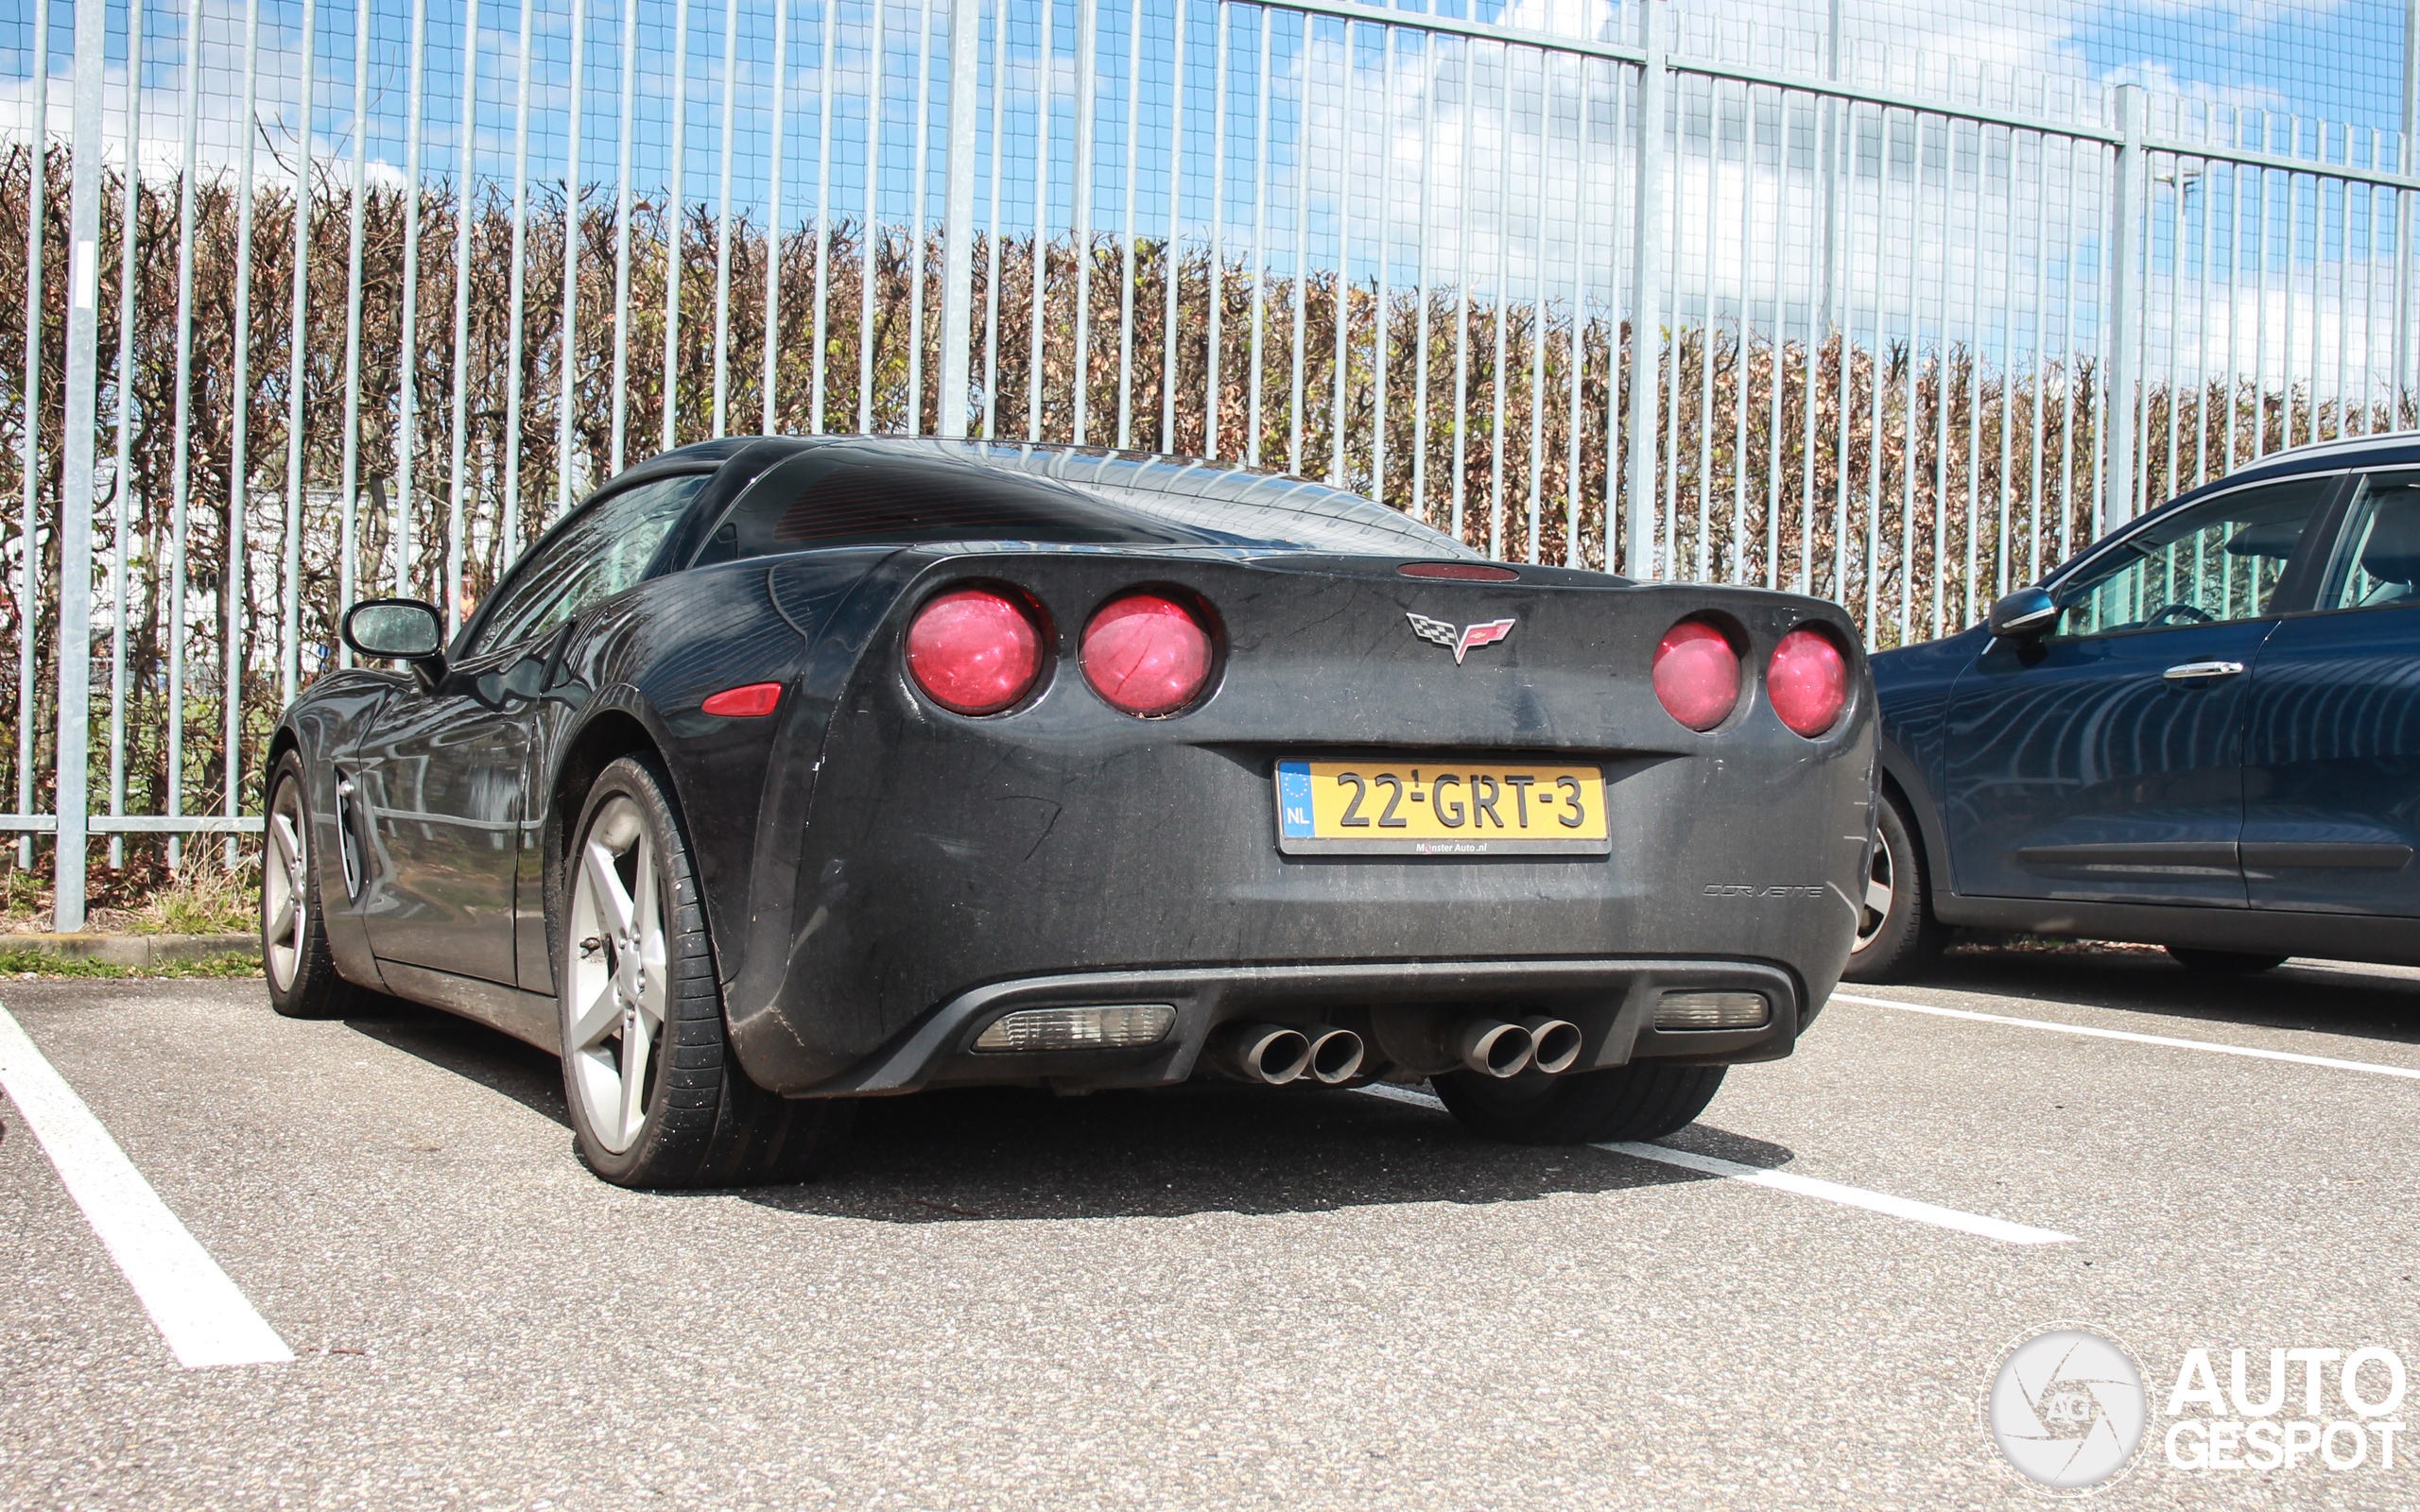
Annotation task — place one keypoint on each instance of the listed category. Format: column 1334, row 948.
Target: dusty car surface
column 782, row 773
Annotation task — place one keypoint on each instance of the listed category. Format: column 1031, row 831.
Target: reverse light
column 974, row 651
column 1111, row 1026
column 754, row 701
column 1147, row 655
column 1697, row 674
column 1711, row 1011
column 1807, row 682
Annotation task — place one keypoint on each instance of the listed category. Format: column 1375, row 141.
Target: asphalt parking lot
column 1216, row 1298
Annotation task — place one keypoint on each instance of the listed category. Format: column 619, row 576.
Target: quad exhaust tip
column 1493, row 1047
column 1336, row 1055
column 1275, row 1054
column 1270, row 1054
column 1555, row 1044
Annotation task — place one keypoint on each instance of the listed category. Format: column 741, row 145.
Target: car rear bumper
column 1612, row 999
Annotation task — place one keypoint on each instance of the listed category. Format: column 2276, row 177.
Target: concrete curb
column 136, row 950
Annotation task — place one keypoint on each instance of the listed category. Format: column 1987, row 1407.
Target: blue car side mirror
column 2024, row 615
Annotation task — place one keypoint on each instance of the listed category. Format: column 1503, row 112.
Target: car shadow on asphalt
column 2367, row 1003
column 1017, row 1153
column 1009, row 1154
column 496, row 1061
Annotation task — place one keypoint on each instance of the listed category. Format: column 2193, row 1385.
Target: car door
column 2103, row 762
column 2332, row 746
column 444, row 772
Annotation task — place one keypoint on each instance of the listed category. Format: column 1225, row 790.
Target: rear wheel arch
column 1902, row 786
column 605, row 739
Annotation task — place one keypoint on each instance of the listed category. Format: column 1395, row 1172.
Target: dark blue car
column 2202, row 732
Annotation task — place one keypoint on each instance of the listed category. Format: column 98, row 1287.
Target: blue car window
column 601, row 553
column 2378, row 563
column 2216, row 561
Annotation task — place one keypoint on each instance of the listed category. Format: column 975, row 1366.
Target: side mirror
column 2024, row 615
column 397, row 629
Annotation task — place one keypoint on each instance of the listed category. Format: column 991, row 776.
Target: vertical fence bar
column 1646, row 223
column 828, row 24
column 1126, row 223
column 568, row 342
column 29, row 564
column 516, row 292
column 1462, row 298
column 1337, row 466
column 992, row 224
column 1263, row 158
column 676, row 217
column 464, row 193
column 1575, row 358
column 349, row 474
column 919, row 163
column 622, row 209
column 121, row 480
column 2125, row 296
column 958, row 220
column 181, row 464
column 81, row 411
column 1079, row 234
column 290, row 618
column 1424, row 102
column 769, row 380
column 1174, row 250
column 722, row 215
column 1212, row 375
column 239, row 462
column 1499, row 297
column 1380, row 316
column 1045, row 88
column 1537, row 305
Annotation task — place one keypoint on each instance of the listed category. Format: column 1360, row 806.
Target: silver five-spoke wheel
column 285, row 894
column 619, row 986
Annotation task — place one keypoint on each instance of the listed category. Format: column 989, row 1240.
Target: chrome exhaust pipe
column 1493, row 1047
column 1266, row 1053
column 1555, row 1044
column 1336, row 1055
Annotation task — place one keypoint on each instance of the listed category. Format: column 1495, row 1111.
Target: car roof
column 1230, row 500
column 2385, row 449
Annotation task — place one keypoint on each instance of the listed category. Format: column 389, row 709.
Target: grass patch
column 203, row 897
column 24, row 962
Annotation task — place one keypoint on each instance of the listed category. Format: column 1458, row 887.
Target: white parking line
column 200, row 1311
column 1803, row 1186
column 2212, row 1046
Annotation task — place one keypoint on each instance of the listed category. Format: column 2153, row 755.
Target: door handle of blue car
column 2185, row 670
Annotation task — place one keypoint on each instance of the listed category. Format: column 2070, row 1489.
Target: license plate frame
column 1314, row 810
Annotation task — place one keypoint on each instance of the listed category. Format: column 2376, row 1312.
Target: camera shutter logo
column 2067, row 1408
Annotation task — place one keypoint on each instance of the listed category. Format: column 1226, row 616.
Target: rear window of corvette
column 844, row 495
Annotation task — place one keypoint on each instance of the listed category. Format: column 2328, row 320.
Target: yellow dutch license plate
column 1449, row 808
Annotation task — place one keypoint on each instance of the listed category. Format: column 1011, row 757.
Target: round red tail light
column 1808, row 681
column 1697, row 674
column 1147, row 655
column 974, row 651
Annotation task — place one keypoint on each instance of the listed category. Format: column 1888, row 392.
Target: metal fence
column 322, row 299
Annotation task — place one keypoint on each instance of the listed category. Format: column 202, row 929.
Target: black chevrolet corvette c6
column 785, row 772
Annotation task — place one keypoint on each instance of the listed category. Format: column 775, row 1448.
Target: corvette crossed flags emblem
column 1458, row 640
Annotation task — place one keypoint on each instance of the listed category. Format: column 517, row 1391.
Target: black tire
column 303, row 982
column 702, row 1123
column 1896, row 943
column 2223, row 963
column 1645, row 1101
